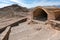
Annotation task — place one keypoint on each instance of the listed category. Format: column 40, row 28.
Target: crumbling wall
column 42, row 14
column 55, row 12
column 45, row 14
column 57, row 15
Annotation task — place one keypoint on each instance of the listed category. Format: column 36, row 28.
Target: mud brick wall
column 44, row 14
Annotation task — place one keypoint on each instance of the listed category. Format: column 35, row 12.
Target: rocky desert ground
column 20, row 23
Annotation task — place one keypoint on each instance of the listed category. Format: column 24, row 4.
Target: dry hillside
column 13, row 10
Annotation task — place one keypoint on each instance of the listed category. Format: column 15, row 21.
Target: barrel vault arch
column 41, row 14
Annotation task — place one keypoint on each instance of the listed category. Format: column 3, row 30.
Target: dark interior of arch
column 40, row 14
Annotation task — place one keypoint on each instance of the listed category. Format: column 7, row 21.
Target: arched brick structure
column 42, row 14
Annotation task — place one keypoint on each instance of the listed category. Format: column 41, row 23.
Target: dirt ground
column 34, row 31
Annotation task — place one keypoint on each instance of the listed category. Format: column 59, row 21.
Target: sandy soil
column 32, row 31
column 39, row 31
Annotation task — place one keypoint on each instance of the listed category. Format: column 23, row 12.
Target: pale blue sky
column 29, row 3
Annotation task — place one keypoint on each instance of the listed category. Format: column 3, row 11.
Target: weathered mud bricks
column 44, row 14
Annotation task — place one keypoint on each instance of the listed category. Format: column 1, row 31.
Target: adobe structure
column 45, row 14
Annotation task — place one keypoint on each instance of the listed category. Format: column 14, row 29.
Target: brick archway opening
column 40, row 14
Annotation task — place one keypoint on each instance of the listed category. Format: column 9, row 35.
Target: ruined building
column 44, row 14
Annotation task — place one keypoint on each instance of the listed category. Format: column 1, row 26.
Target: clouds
column 4, row 3
column 29, row 3
column 48, row 2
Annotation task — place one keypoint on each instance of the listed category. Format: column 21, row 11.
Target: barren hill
column 13, row 10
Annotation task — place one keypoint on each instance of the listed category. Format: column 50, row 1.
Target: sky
column 29, row 3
